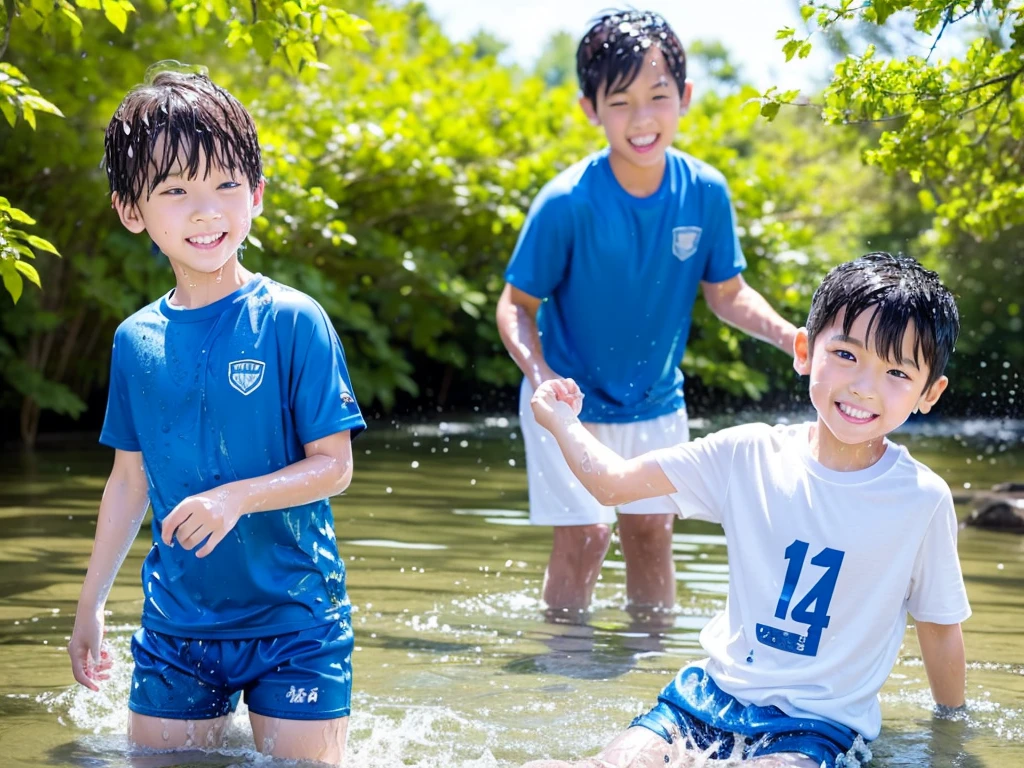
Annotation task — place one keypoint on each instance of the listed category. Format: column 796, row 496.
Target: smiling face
column 198, row 222
column 184, row 165
column 861, row 396
column 640, row 119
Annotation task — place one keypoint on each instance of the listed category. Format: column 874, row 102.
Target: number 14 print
column 819, row 596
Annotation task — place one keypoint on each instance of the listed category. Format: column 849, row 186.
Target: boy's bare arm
column 122, row 509
column 517, row 325
column 734, row 302
column 609, row 478
column 326, row 471
column 942, row 648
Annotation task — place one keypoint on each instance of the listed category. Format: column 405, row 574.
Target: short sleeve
column 700, row 471
column 937, row 593
column 321, row 394
column 544, row 247
column 726, row 259
column 118, row 425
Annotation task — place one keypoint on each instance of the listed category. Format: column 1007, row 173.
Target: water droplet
column 127, row 128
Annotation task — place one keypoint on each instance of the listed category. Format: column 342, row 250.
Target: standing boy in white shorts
column 601, row 289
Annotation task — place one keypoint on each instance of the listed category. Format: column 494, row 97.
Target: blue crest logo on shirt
column 246, row 375
column 685, row 241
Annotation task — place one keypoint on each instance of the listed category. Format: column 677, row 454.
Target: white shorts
column 556, row 496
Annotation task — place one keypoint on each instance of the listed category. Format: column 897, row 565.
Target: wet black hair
column 611, row 54
column 201, row 124
column 897, row 291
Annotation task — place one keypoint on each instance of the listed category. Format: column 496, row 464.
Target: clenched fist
column 556, row 401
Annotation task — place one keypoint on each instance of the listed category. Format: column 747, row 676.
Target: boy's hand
column 556, row 401
column 199, row 517
column 90, row 662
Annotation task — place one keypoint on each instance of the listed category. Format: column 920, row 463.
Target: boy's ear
column 129, row 215
column 685, row 97
column 802, row 352
column 257, row 198
column 931, row 395
column 589, row 110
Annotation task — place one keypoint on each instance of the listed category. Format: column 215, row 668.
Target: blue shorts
column 305, row 675
column 703, row 713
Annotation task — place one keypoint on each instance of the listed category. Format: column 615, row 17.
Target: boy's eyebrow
column 662, row 83
column 848, row 339
column 174, row 173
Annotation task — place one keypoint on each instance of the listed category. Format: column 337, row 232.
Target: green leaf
column 10, row 112
column 68, row 13
column 39, row 104
column 13, row 283
column 770, row 109
column 28, row 271
column 18, row 215
column 263, row 39
column 41, row 244
column 115, row 14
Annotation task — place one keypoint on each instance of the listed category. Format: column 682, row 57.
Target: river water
column 455, row 665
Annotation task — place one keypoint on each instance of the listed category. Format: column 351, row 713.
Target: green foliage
column 556, row 64
column 715, row 64
column 954, row 125
column 19, row 99
column 15, row 246
column 400, row 168
column 40, row 360
column 486, row 44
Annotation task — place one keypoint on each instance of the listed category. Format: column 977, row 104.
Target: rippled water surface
column 455, row 665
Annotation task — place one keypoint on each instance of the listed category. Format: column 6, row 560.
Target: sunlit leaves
column 284, row 34
column 954, row 124
column 397, row 185
column 16, row 245
column 18, row 99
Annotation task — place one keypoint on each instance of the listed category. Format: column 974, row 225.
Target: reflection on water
column 455, row 664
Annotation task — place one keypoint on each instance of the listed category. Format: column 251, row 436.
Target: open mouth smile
column 855, row 415
column 645, row 143
column 206, row 242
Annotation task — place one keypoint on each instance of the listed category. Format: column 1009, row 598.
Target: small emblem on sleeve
column 685, row 241
column 346, row 398
column 246, row 375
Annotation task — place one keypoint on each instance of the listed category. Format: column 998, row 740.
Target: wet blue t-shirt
column 231, row 391
column 620, row 275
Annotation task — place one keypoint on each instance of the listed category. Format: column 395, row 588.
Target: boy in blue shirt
column 835, row 535
column 231, row 412
column 601, row 288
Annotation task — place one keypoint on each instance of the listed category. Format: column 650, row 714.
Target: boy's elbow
column 602, row 496
column 608, row 491
column 341, row 477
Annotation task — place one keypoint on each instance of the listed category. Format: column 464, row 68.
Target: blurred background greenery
column 401, row 164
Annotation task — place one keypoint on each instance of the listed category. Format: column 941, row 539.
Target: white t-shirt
column 823, row 567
